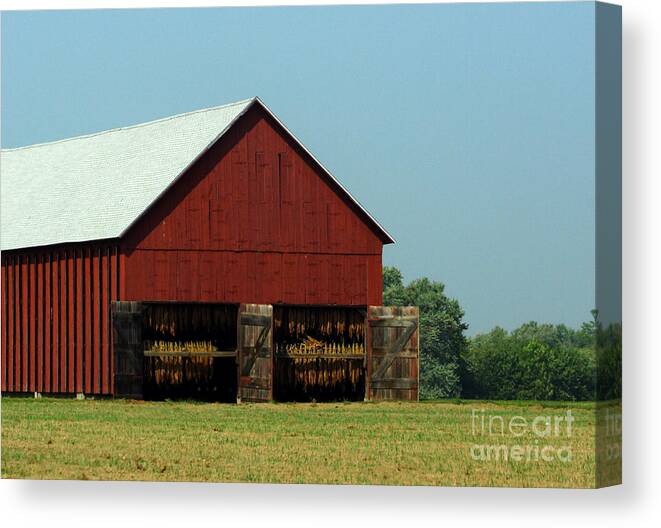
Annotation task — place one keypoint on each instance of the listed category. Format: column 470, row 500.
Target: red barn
column 191, row 253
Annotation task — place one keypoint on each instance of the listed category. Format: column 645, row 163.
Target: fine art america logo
column 539, row 438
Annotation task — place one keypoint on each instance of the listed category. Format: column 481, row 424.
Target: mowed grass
column 397, row 443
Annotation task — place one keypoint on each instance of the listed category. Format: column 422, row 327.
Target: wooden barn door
column 392, row 353
column 255, row 353
column 127, row 349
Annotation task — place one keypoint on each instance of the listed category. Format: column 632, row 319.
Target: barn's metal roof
column 96, row 186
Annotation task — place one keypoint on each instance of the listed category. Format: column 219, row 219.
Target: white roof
column 96, row 186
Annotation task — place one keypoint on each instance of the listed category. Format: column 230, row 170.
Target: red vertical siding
column 18, row 328
column 96, row 327
column 39, row 322
column 79, row 319
column 48, row 323
column 71, row 322
column 62, row 311
column 25, row 351
column 3, row 346
column 55, row 323
column 104, row 327
column 56, row 331
column 32, row 331
column 375, row 281
column 122, row 276
column 5, row 324
column 114, row 296
column 15, row 352
column 8, row 351
column 260, row 216
column 87, row 327
column 256, row 190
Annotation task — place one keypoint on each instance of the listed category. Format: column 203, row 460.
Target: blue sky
column 466, row 129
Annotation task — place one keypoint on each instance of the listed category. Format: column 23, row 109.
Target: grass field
column 357, row 443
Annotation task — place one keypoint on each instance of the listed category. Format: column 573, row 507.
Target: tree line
column 536, row 361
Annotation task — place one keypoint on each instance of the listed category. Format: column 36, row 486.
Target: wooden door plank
column 255, row 352
column 392, row 353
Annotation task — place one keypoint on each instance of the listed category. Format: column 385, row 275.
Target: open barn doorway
column 319, row 353
column 189, row 351
column 261, row 352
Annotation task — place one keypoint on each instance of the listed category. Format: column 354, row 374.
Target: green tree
column 534, row 362
column 491, row 367
column 392, row 278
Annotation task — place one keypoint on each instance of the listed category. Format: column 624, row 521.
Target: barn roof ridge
column 128, row 127
column 144, row 162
